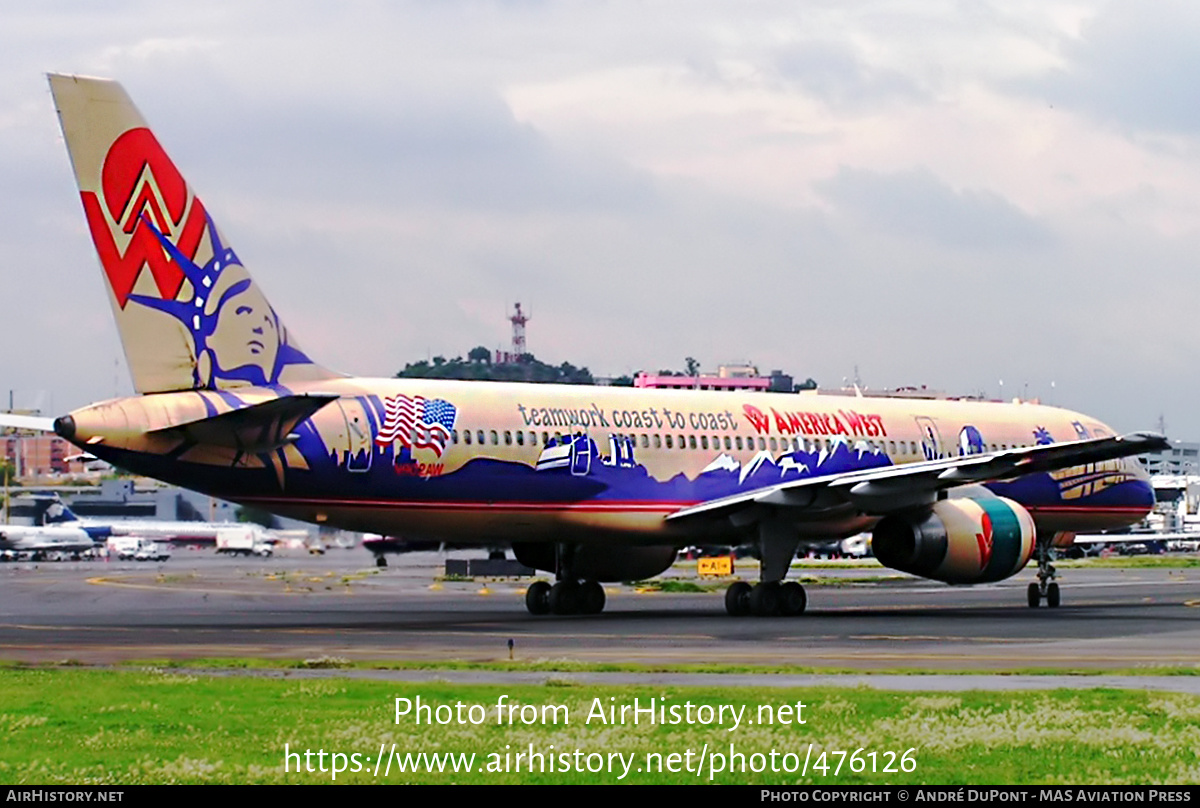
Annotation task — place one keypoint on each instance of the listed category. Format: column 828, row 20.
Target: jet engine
column 597, row 563
column 959, row 541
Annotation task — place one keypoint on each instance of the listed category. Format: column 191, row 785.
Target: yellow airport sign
column 715, row 567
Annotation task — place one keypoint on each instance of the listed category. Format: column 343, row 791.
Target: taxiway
column 197, row 606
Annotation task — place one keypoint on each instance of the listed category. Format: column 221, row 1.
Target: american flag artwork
column 416, row 421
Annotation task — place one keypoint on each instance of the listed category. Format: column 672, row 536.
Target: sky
column 984, row 198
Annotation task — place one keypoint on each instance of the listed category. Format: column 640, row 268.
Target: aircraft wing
column 30, row 422
column 891, row 488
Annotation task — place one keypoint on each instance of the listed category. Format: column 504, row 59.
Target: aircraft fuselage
column 451, row 460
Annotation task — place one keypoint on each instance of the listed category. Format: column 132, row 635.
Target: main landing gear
column 1045, row 586
column 565, row 597
column 770, row 596
column 569, row 595
column 765, row 599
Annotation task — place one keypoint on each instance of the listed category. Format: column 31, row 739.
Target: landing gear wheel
column 1034, row 595
column 537, row 598
column 380, row 561
column 737, row 599
column 591, row 598
column 764, row 599
column 564, row 597
column 792, row 599
column 1046, row 587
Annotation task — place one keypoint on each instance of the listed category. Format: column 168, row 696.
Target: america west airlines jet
column 591, row 483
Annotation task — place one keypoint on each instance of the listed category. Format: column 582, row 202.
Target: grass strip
column 160, row 726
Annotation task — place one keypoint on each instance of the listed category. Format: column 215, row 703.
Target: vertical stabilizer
column 189, row 314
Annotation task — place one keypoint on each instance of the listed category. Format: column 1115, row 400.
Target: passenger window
column 454, row 436
column 507, row 438
column 774, row 446
column 728, row 447
column 762, row 444
column 645, row 441
column 704, row 441
column 683, row 442
column 467, row 436
column 532, row 438
column 692, row 441
column 495, row 438
column 669, row 446
column 520, row 438
column 479, row 435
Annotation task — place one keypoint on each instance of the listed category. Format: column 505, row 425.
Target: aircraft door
column 931, row 438
column 355, row 444
column 581, row 454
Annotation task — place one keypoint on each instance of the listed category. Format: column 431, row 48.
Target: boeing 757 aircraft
column 592, row 484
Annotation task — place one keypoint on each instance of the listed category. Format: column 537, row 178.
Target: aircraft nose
column 64, row 427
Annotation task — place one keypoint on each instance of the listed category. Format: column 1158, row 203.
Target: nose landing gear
column 1045, row 586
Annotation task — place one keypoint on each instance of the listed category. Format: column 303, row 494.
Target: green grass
column 161, row 726
column 202, row 664
column 1134, row 562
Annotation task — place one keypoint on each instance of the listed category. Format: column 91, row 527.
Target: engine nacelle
column 600, row 563
column 959, row 541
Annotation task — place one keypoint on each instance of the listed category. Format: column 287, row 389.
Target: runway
column 859, row 621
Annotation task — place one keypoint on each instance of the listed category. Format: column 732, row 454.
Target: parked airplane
column 230, row 537
column 49, row 535
column 590, row 483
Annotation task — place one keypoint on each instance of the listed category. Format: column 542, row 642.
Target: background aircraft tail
column 189, row 314
column 48, row 509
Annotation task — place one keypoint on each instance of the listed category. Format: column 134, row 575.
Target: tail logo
column 145, row 197
column 236, row 336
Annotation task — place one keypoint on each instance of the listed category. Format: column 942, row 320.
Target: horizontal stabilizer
column 252, row 429
column 30, row 422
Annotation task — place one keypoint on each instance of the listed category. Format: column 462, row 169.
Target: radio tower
column 518, row 320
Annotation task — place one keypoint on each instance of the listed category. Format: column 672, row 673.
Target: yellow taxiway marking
column 219, row 590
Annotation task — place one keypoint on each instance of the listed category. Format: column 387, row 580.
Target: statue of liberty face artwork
column 236, row 334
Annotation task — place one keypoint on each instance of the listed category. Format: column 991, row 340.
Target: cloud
column 919, row 205
column 1133, row 65
column 841, row 77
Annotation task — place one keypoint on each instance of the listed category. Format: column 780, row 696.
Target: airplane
column 229, row 537
column 49, row 535
column 38, row 541
column 591, row 484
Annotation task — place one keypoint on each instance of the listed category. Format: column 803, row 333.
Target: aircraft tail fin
column 50, row 510
column 189, row 314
